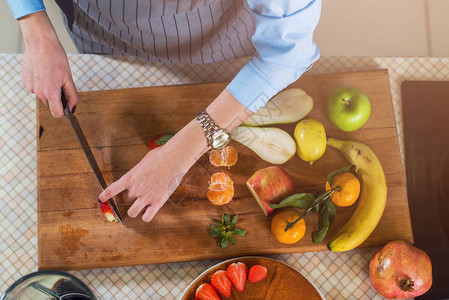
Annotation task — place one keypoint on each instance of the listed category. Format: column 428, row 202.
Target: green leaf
column 164, row 139
column 332, row 212
column 224, row 230
column 342, row 170
column 215, row 227
column 215, row 232
column 226, row 219
column 239, row 232
column 302, row 201
column 327, row 215
column 234, row 221
column 224, row 242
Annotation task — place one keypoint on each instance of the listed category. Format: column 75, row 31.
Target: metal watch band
column 209, row 127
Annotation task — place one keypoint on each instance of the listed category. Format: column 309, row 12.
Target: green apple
column 348, row 108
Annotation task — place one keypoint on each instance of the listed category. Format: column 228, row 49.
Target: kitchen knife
column 90, row 156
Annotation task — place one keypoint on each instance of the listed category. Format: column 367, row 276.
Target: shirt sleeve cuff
column 253, row 90
column 21, row 8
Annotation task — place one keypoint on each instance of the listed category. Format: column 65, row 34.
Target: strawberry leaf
column 165, row 138
column 234, row 220
column 226, row 219
column 225, row 230
column 239, row 232
column 224, row 242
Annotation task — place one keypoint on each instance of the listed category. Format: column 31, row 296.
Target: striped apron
column 187, row 31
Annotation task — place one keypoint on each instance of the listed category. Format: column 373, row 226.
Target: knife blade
column 86, row 148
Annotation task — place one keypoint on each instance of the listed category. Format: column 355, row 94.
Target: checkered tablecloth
column 338, row 275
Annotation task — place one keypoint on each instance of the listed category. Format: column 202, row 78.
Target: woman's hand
column 45, row 68
column 151, row 182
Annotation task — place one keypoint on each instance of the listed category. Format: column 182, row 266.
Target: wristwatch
column 217, row 137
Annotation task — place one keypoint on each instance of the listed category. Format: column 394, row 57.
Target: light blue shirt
column 283, row 39
column 285, row 49
column 21, row 8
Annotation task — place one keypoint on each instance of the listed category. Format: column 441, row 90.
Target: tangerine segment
column 350, row 189
column 225, row 157
column 293, row 234
column 221, row 189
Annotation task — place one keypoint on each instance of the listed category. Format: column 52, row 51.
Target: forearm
column 191, row 141
column 36, row 28
column 227, row 112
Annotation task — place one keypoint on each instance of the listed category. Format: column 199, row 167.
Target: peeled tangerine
column 310, row 139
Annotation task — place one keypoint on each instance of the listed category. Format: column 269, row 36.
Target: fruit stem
column 321, row 198
column 347, row 103
column 406, row 284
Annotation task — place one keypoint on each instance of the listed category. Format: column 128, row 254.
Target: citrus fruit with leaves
column 349, row 190
column 221, row 189
column 282, row 220
column 225, row 157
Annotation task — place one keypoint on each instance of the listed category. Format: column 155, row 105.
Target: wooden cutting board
column 73, row 234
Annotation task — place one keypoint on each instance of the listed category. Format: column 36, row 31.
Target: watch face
column 220, row 139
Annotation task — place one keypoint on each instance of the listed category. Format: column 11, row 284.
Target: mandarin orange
column 221, row 189
column 225, row 157
column 293, row 234
column 350, row 189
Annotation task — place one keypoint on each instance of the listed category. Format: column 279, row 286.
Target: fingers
column 54, row 101
column 151, row 211
column 71, row 94
column 137, row 207
column 127, row 198
column 112, row 190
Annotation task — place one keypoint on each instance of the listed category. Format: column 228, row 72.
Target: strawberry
column 107, row 212
column 221, row 283
column 237, row 273
column 160, row 140
column 257, row 273
column 206, row 292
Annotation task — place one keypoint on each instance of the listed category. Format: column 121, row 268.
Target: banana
column 372, row 200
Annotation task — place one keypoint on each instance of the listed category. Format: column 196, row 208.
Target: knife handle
column 63, row 99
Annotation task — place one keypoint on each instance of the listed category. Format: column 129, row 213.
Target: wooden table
column 338, row 275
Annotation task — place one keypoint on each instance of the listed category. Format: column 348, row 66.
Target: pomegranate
column 400, row 270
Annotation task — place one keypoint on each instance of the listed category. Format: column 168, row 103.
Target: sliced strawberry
column 206, row 292
column 237, row 273
column 221, row 283
column 257, row 273
column 160, row 140
column 107, row 212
